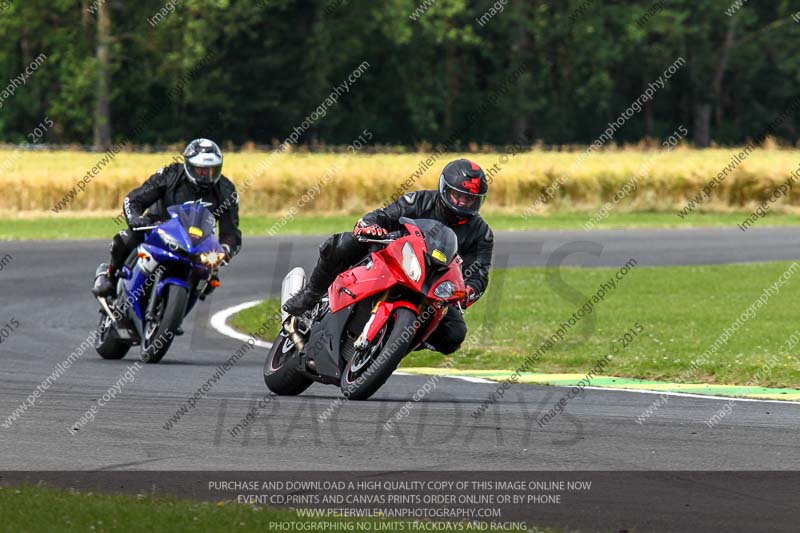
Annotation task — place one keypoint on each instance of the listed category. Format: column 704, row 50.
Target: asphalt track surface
column 45, row 287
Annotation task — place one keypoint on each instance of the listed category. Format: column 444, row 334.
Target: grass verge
column 31, row 508
column 682, row 311
column 36, row 508
column 103, row 227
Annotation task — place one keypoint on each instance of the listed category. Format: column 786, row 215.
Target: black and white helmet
column 202, row 160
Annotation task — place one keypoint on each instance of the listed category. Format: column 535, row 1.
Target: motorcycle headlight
column 444, row 290
column 170, row 241
column 211, row 258
column 411, row 263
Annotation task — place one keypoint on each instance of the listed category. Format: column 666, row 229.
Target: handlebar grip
column 389, row 237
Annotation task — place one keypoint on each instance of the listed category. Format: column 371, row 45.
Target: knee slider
column 118, row 242
column 459, row 333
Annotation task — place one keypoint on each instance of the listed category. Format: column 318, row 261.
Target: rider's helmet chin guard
column 463, row 187
column 202, row 161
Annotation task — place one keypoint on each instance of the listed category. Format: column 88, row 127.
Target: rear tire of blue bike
column 106, row 341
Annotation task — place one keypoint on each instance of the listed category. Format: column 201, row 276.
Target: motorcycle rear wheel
column 281, row 374
column 370, row 376
column 106, row 342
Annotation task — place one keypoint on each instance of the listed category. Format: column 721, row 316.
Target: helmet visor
column 462, row 202
column 204, row 175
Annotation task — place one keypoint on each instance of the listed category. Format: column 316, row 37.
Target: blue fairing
column 135, row 289
column 172, row 281
column 175, row 246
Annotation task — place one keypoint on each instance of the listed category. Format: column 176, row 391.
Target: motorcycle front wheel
column 160, row 332
column 367, row 371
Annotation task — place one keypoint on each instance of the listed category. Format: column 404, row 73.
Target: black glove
column 470, row 297
column 228, row 256
column 142, row 221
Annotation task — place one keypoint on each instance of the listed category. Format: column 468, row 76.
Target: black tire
column 360, row 385
column 107, row 342
column 281, row 374
column 173, row 305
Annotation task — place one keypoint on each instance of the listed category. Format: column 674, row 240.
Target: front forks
column 151, row 304
column 362, row 341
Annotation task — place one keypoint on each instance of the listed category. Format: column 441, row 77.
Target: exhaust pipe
column 291, row 329
column 293, row 283
column 106, row 309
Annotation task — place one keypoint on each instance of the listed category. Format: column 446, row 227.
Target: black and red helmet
column 463, row 187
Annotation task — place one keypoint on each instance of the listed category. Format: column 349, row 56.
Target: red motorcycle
column 374, row 314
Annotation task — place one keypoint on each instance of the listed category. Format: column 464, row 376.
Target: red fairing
column 354, row 285
column 382, row 313
column 386, row 271
column 359, row 282
column 454, row 276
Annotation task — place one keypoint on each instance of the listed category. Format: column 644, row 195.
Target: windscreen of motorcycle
column 198, row 221
column 441, row 241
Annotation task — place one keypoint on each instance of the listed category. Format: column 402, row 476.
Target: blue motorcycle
column 160, row 283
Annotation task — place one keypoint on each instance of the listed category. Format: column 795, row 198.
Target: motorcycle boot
column 103, row 281
column 315, row 288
